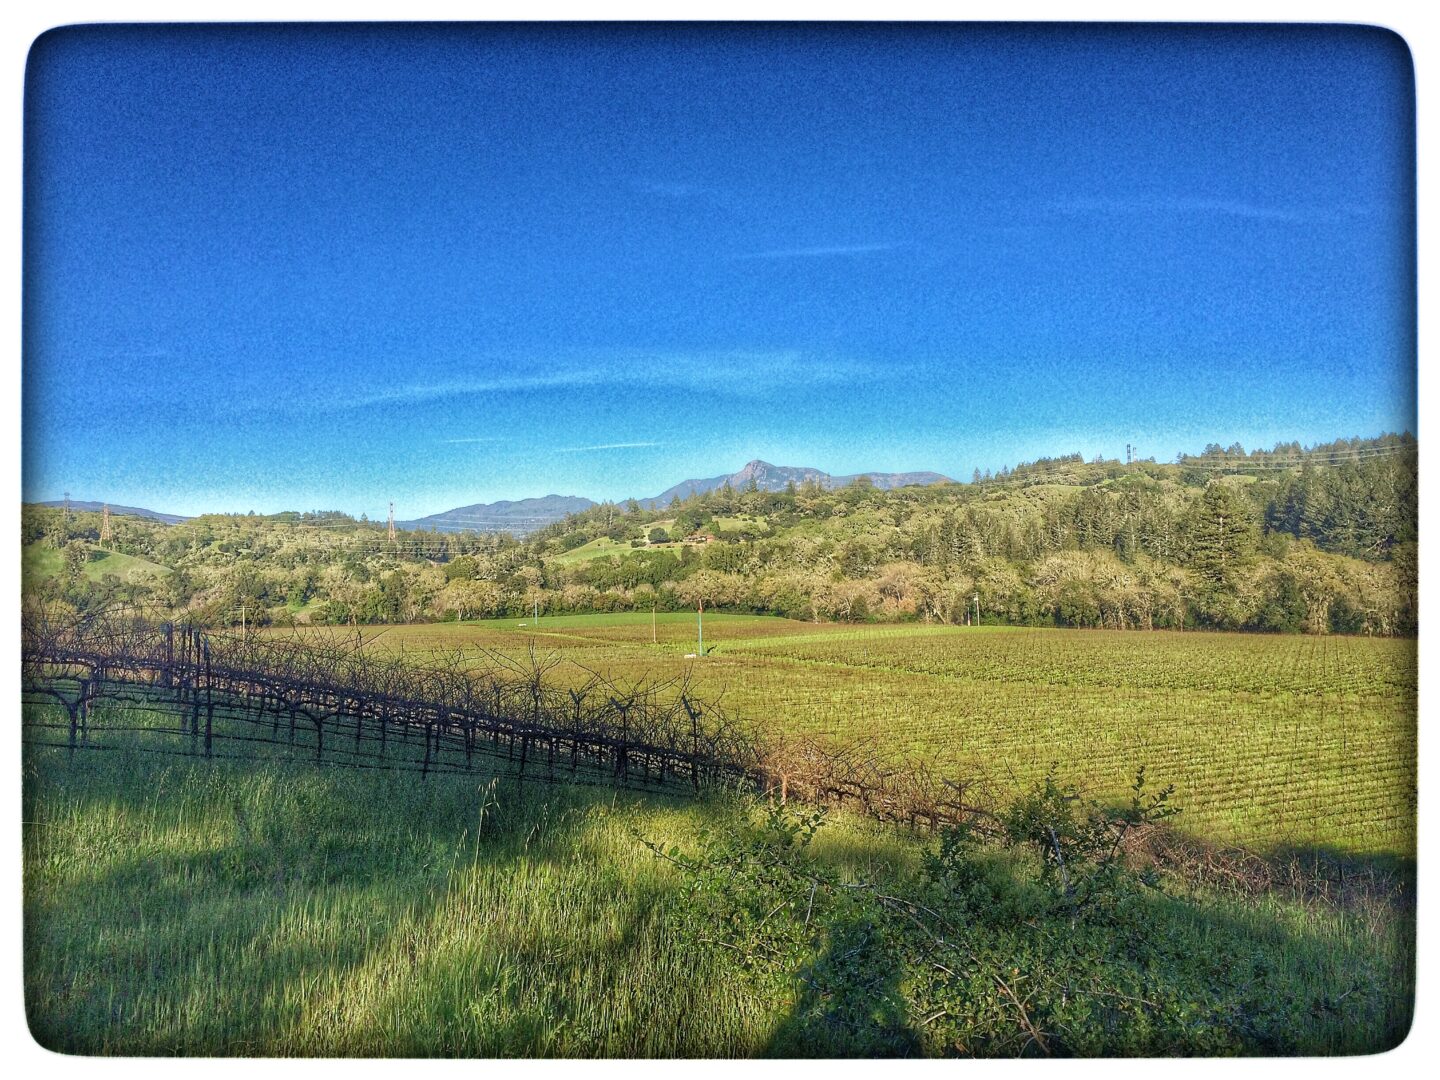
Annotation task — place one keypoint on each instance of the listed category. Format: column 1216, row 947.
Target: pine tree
column 1222, row 536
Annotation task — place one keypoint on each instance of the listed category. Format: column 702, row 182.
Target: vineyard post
column 575, row 734
column 694, row 742
column 209, row 699
column 622, row 762
column 82, row 712
column 194, row 681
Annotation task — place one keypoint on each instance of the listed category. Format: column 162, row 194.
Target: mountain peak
column 768, row 477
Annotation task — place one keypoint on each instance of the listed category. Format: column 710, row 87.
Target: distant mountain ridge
column 524, row 516
column 85, row 507
column 769, row 477
column 520, row 516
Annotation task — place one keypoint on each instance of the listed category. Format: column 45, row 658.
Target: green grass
column 278, row 910
column 595, row 549
column 39, row 561
column 184, row 907
column 1274, row 742
column 755, row 524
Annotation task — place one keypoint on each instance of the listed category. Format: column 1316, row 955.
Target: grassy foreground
column 179, row 907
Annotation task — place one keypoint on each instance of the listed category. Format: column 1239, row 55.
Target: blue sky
column 323, row 268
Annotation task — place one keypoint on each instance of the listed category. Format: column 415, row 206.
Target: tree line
column 1289, row 539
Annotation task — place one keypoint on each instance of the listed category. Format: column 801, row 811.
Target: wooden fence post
column 209, row 699
column 694, row 742
column 82, row 712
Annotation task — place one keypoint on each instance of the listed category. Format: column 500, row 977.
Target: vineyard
column 493, row 839
column 1273, row 742
column 234, row 697
column 98, row 685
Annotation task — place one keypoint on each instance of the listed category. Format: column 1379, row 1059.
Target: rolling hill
column 125, row 511
column 519, row 517
column 769, row 477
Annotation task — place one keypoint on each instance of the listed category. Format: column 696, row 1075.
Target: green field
column 1274, row 742
column 179, row 906
column 595, row 549
column 39, row 561
column 270, row 907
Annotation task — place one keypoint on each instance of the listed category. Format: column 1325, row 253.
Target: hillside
column 40, row 562
column 520, row 517
column 767, row 477
column 1318, row 540
column 116, row 510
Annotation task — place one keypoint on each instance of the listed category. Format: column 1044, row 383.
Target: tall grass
column 269, row 908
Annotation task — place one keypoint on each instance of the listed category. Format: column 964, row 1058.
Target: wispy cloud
column 671, row 189
column 1203, row 205
column 135, row 354
column 420, row 392
column 823, row 252
column 477, row 439
column 738, row 372
column 607, row 446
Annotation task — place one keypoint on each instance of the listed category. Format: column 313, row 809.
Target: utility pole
column 653, row 639
column 67, row 508
column 977, row 609
column 700, row 625
column 391, row 526
column 105, row 526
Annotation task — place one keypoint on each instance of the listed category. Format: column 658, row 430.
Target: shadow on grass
column 850, row 1004
column 227, row 909
column 177, row 907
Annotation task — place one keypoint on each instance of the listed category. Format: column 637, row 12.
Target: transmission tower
column 67, row 508
column 105, row 526
column 391, row 524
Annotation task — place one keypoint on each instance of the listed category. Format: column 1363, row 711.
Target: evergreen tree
column 1222, row 535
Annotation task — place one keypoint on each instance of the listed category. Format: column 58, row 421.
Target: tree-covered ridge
column 1288, row 539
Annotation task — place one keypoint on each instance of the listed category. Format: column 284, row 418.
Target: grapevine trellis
column 176, row 689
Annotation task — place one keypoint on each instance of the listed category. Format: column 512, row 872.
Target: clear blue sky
column 323, row 268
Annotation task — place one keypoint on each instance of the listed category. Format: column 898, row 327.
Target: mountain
column 769, row 477
column 519, row 517
column 525, row 516
column 125, row 511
